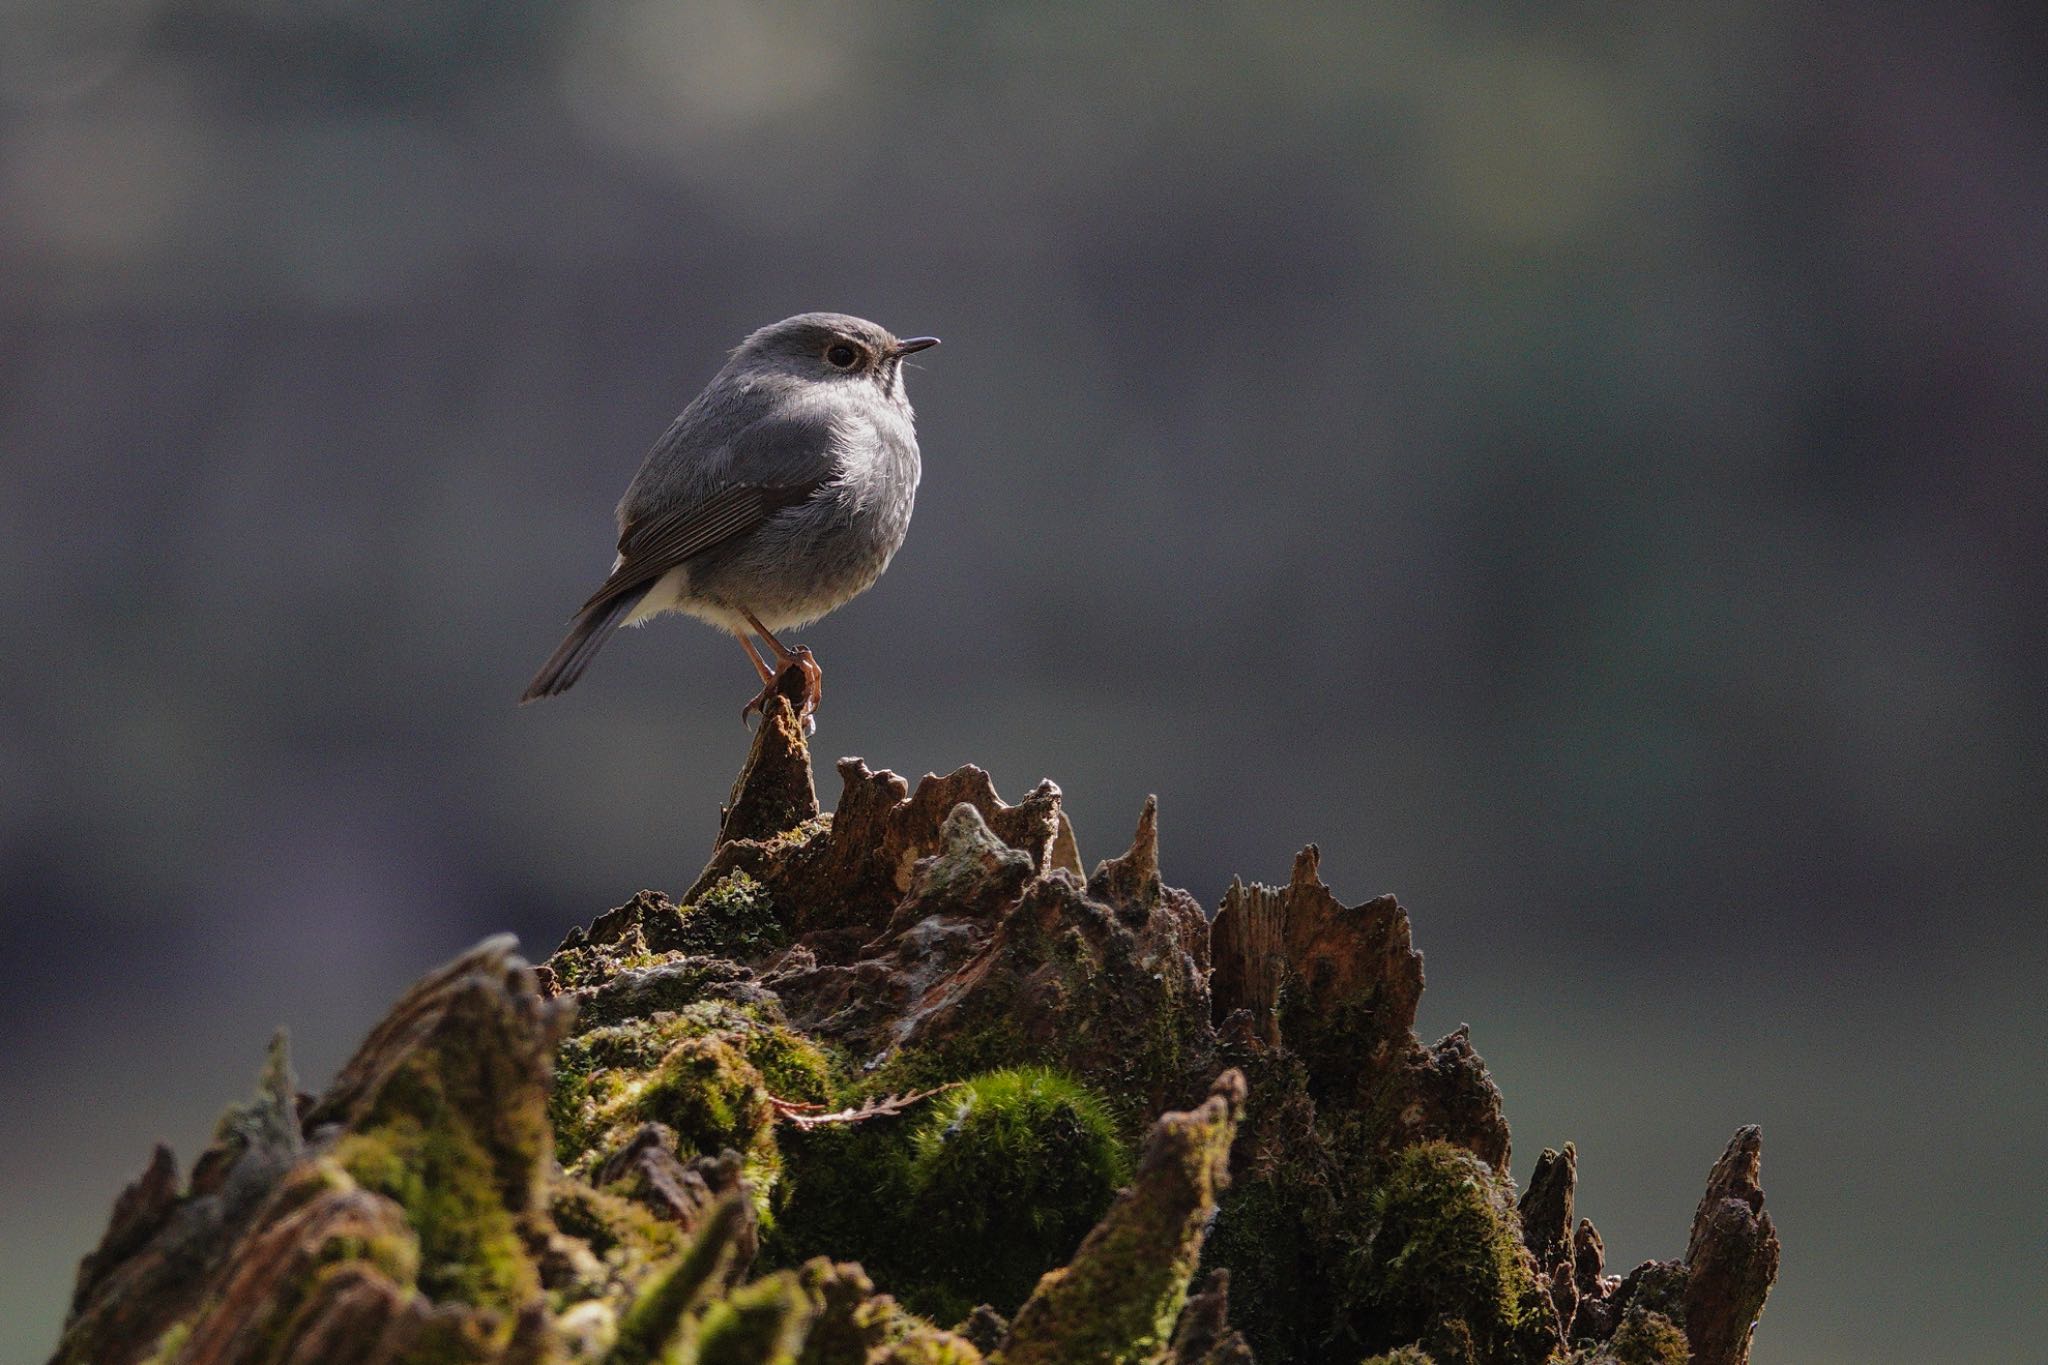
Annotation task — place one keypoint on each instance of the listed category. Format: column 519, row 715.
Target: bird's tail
column 592, row 627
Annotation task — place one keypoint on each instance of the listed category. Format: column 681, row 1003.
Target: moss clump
column 419, row 1149
column 620, row 1232
column 843, row 1194
column 706, row 1090
column 1643, row 1338
column 703, row 1070
column 794, row 1067
column 733, row 921
column 1007, row 1174
column 594, row 1074
column 703, row 1088
column 1404, row 1355
column 583, row 964
column 393, row 1253
column 596, row 1067
column 469, row 1245
column 1117, row 1300
column 735, row 918
column 1263, row 1235
column 928, row 1348
column 1437, row 1258
column 992, row 1184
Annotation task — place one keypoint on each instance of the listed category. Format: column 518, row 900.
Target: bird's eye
column 843, row 356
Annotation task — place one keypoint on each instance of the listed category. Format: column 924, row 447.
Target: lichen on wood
column 899, row 1083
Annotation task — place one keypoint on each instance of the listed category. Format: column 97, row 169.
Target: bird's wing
column 693, row 493
column 651, row 546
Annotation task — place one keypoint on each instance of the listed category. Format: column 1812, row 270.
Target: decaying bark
column 910, row 1033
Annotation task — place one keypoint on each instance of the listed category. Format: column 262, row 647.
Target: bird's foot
column 801, row 682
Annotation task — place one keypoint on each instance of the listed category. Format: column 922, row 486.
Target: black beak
column 905, row 347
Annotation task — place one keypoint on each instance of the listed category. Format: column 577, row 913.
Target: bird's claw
column 801, row 682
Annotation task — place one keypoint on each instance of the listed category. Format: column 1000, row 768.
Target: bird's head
column 832, row 347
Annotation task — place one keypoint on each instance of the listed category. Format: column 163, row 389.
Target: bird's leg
column 754, row 655
column 799, row 659
column 768, row 680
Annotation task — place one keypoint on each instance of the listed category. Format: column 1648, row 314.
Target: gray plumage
column 781, row 492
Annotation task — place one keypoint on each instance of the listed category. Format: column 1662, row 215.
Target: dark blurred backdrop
column 1581, row 464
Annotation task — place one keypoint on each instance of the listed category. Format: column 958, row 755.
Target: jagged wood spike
column 1546, row 1207
column 1066, row 849
column 763, row 1323
column 1204, row 1335
column 656, row 1317
column 1131, row 882
column 1732, row 1257
column 775, row 791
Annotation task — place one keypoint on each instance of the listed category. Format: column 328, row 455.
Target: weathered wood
column 667, row 1141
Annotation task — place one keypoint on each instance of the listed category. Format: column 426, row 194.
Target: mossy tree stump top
column 898, row 1033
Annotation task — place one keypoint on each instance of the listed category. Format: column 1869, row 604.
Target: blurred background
column 1583, row 466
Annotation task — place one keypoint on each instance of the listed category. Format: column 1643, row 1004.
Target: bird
column 779, row 494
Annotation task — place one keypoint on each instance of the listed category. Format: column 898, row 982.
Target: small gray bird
column 780, row 494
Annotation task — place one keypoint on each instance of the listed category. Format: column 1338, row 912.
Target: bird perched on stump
column 780, row 494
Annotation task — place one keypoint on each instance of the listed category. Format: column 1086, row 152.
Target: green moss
column 991, row 1041
column 616, row 1230
column 593, row 964
column 1116, row 1301
column 1437, row 1257
column 593, row 1067
column 844, row 1191
column 967, row 1200
column 705, row 1089
column 394, row 1254
column 796, row 836
column 665, row 1299
column 732, row 919
column 456, row 1135
column 794, row 1067
column 169, row 1344
column 692, row 1069
column 1645, row 1338
column 1404, row 1355
column 736, row 917
column 715, row 1100
column 930, row 1347
column 762, row 1323
column 1007, row 1174
column 1264, row 1238
column 469, row 1245
column 456, row 1340
column 638, row 1045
